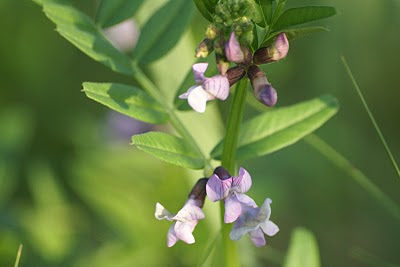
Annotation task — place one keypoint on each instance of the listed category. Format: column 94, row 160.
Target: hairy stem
column 231, row 257
column 180, row 127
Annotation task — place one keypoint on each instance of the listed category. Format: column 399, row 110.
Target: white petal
column 162, row 213
column 269, row 228
column 217, row 86
column 186, row 95
column 197, row 99
column 189, row 212
column 171, row 237
column 184, row 231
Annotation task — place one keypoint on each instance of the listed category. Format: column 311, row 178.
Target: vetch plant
column 243, row 36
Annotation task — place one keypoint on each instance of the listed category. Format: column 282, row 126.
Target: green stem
column 178, row 125
column 231, row 257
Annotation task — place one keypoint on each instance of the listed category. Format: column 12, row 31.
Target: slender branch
column 231, row 257
column 16, row 264
column 353, row 80
column 342, row 163
column 180, row 127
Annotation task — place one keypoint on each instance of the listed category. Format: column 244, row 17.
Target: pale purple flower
column 124, row 35
column 206, row 88
column 233, row 51
column 254, row 221
column 184, row 221
column 263, row 90
column 231, row 189
column 277, row 51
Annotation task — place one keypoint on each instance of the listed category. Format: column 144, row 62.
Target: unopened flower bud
column 233, row 51
column 277, row 51
column 198, row 192
column 211, row 32
column 222, row 63
column 263, row 90
column 204, row 48
column 222, row 173
column 235, row 74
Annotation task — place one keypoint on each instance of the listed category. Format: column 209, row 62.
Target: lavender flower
column 233, row 51
column 263, row 90
column 206, row 88
column 231, row 189
column 255, row 221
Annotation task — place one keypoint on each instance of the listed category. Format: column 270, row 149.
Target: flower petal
column 233, row 51
column 198, row 98
column 241, row 183
column 189, row 212
column 171, row 237
column 183, row 231
column 233, row 209
column 198, row 71
column 186, row 95
column 217, row 189
column 246, row 222
column 269, row 228
column 217, row 86
column 265, row 210
column 257, row 237
column 246, row 200
column 280, row 47
column 162, row 213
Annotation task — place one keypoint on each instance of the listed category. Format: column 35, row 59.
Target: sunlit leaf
column 281, row 127
column 293, row 34
column 169, row 148
column 163, row 30
column 300, row 15
column 112, row 12
column 303, row 250
column 79, row 29
column 127, row 100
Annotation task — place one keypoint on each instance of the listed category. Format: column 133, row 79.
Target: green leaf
column 78, row 28
column 163, row 30
column 205, row 9
column 112, row 12
column 303, row 250
column 266, row 11
column 188, row 81
column 127, row 100
column 300, row 15
column 169, row 148
column 293, row 34
column 281, row 127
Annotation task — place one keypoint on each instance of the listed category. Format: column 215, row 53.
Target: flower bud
column 235, row 74
column 198, row 192
column 211, row 32
column 222, row 173
column 204, row 48
column 233, row 51
column 263, row 90
column 277, row 51
column 222, row 63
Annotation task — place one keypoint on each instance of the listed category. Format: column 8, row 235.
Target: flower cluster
column 240, row 209
column 231, row 43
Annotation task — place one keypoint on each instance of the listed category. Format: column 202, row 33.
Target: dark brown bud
column 277, row 51
column 222, row 173
column 235, row 74
column 198, row 192
column 204, row 48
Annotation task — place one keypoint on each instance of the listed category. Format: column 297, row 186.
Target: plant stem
column 378, row 130
column 231, row 257
column 178, row 125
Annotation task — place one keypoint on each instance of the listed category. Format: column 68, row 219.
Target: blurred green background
column 75, row 193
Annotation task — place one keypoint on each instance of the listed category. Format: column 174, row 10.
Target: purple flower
column 233, row 51
column 263, row 90
column 231, row 189
column 255, row 221
column 184, row 221
column 206, row 88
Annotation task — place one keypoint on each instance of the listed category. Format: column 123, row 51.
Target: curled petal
column 246, row 200
column 183, row 231
column 233, row 51
column 241, row 183
column 217, row 189
column 189, row 212
column 280, row 47
column 171, row 237
column 269, row 228
column 187, row 93
column 162, row 213
column 197, row 99
column 233, row 209
column 198, row 71
column 217, row 86
column 265, row 211
column 257, row 237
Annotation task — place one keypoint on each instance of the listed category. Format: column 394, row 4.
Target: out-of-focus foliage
column 74, row 196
